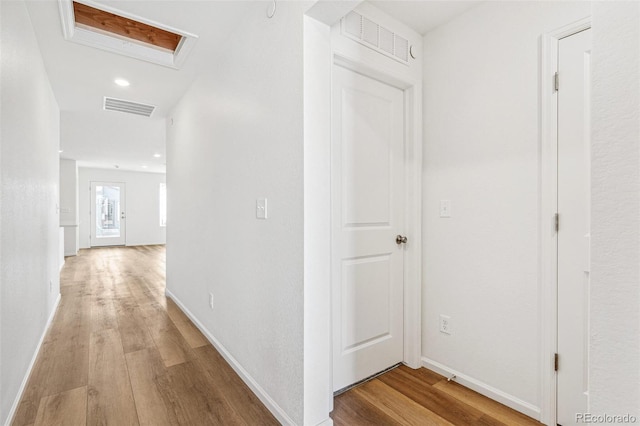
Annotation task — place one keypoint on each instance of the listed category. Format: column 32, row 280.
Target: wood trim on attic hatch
column 125, row 27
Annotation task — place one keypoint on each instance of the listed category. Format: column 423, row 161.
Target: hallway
column 119, row 352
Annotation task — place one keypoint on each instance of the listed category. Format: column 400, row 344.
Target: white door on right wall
column 574, row 226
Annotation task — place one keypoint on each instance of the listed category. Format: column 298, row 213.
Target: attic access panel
column 106, row 28
column 92, row 18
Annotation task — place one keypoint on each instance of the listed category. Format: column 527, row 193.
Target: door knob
column 401, row 240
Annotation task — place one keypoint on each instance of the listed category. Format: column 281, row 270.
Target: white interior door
column 108, row 220
column 574, row 226
column 367, row 174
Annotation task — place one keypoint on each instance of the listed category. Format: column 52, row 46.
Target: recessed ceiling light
column 157, row 155
column 121, row 82
column 60, row 151
column 144, row 167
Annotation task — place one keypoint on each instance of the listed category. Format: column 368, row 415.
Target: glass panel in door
column 107, row 211
column 107, row 214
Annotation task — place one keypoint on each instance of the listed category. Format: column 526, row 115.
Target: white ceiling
column 81, row 76
column 424, row 15
column 106, row 139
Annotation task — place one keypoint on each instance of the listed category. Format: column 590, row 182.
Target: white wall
column 115, row 138
column 614, row 372
column 61, row 248
column 69, row 205
column 29, row 241
column 318, row 389
column 68, row 192
column 237, row 135
column 142, row 204
column 482, row 152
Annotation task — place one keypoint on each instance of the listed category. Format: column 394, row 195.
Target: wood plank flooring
column 120, row 353
column 404, row 396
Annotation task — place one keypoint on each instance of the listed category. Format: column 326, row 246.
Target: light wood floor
column 404, row 396
column 120, row 353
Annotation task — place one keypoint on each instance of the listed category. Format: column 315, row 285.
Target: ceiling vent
column 363, row 30
column 113, row 104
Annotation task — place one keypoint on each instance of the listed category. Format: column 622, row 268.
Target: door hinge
column 556, row 82
column 557, row 222
column 555, row 362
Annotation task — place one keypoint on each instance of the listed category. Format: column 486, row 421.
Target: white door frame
column 318, row 62
column 548, row 209
column 412, row 199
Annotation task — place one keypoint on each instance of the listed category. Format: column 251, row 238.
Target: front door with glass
column 108, row 220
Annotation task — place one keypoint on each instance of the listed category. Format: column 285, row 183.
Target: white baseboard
column 271, row 405
column 484, row 389
column 138, row 244
column 328, row 422
column 23, row 385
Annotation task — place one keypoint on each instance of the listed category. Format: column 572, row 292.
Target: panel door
column 368, row 213
column 574, row 229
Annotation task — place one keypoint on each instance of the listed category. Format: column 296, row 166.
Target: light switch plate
column 261, row 208
column 445, row 208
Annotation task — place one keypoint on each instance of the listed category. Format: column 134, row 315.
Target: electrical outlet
column 261, row 208
column 445, row 324
column 211, row 300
